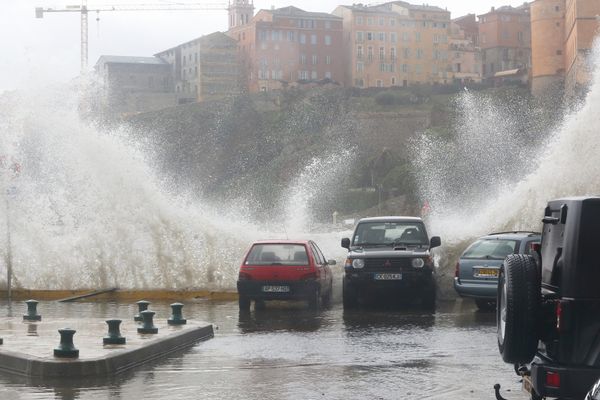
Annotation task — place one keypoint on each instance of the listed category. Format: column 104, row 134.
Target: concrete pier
column 28, row 346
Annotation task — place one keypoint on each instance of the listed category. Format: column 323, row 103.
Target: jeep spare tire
column 517, row 308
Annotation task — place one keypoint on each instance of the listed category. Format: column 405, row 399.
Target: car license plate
column 388, row 277
column 485, row 273
column 276, row 289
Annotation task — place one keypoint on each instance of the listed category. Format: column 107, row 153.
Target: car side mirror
column 435, row 241
column 331, row 262
column 346, row 243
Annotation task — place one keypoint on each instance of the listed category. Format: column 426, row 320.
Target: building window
column 327, row 40
column 520, row 37
column 359, row 20
column 405, row 68
column 359, row 82
column 393, row 81
column 436, row 38
column 359, row 52
column 369, row 35
column 393, row 37
column 382, row 36
column 314, row 60
column 302, row 59
column 327, row 24
column 313, row 39
column 328, row 60
column 419, row 53
column 303, row 75
column 302, row 38
column 360, row 37
column 360, row 66
column 417, row 37
column 406, row 52
column 393, row 54
column 405, row 37
column 392, row 22
column 328, row 75
column 382, row 53
column 313, row 75
column 292, row 36
column 381, row 67
column 370, row 53
column 381, row 21
column 369, row 21
column 379, row 83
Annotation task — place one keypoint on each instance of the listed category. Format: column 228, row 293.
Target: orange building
column 286, row 46
column 581, row 26
column 505, row 40
column 547, row 46
column 562, row 32
column 395, row 44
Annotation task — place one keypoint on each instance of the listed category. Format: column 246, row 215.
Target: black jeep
column 389, row 255
column 548, row 311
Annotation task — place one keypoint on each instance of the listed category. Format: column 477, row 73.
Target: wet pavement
column 288, row 352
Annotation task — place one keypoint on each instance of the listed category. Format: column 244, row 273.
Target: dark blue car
column 476, row 273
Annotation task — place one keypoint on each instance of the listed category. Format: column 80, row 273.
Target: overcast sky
column 35, row 51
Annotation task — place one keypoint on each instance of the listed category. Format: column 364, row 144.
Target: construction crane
column 83, row 9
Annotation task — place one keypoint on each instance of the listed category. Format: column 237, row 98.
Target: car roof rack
column 530, row 233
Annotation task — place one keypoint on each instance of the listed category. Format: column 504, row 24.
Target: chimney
column 493, row 9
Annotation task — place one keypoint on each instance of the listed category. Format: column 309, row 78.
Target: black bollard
column 142, row 306
column 114, row 333
column 32, row 314
column 177, row 317
column 147, row 323
column 1, row 341
column 66, row 348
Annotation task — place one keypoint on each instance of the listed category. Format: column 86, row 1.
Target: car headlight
column 418, row 262
column 358, row 263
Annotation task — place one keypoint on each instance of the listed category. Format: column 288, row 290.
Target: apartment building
column 468, row 24
column 134, row 84
column 505, row 40
column 465, row 56
column 205, row 68
column 395, row 44
column 287, row 46
column 581, row 27
column 562, row 34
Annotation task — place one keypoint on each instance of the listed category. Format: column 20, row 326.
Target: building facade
column 395, row 44
column 465, row 56
column 581, row 27
column 134, row 84
column 562, row 34
column 205, row 68
column 287, row 47
column 505, row 40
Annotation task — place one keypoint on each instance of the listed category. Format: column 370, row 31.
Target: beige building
column 465, row 57
column 205, row 68
column 562, row 32
column 395, row 44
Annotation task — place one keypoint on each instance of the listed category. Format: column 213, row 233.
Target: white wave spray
column 88, row 211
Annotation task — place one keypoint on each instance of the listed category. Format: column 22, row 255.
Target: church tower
column 240, row 12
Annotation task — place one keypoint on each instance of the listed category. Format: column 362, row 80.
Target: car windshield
column 491, row 249
column 277, row 254
column 390, row 233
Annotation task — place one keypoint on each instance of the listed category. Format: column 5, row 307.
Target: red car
column 285, row 270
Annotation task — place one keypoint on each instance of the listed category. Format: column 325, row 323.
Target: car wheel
column 485, row 304
column 314, row 301
column 349, row 295
column 244, row 303
column 517, row 310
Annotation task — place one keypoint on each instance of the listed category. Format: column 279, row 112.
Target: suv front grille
column 392, row 264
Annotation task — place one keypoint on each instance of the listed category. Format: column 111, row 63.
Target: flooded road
column 287, row 352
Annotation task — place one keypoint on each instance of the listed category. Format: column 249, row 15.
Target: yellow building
column 395, row 44
column 562, row 34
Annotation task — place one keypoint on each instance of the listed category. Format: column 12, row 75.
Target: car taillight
column 553, row 379
column 456, row 268
column 309, row 276
column 244, row 276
